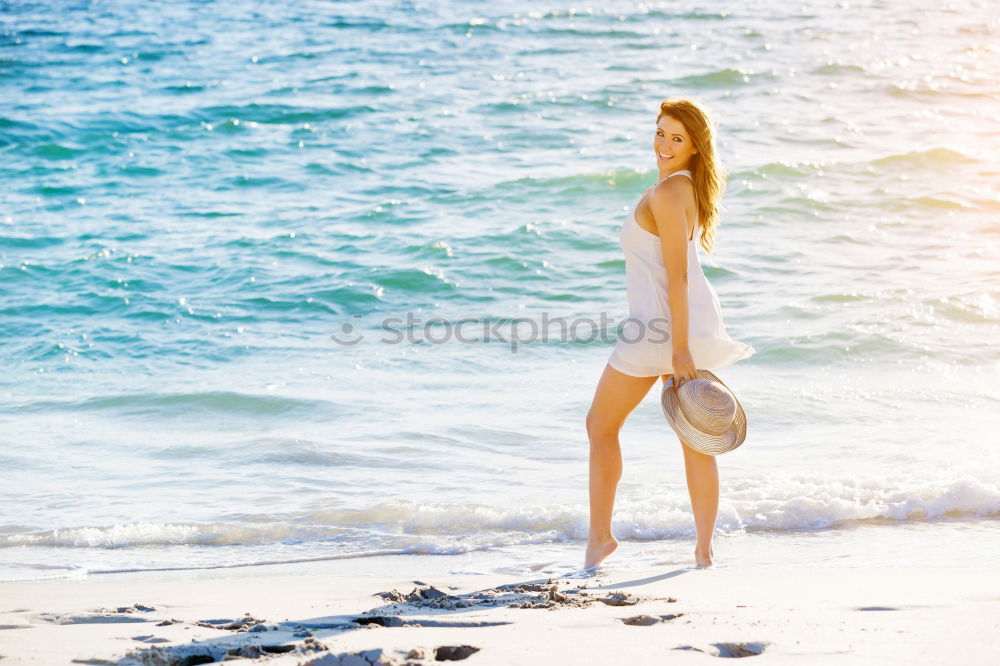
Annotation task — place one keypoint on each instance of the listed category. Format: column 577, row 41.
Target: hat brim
column 702, row 442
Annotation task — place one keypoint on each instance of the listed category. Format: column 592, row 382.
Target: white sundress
column 645, row 350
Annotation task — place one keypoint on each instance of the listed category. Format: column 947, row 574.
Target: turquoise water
column 197, row 196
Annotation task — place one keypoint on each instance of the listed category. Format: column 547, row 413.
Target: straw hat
column 704, row 413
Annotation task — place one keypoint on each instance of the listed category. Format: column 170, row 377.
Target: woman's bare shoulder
column 676, row 188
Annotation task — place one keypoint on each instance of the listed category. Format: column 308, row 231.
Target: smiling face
column 673, row 145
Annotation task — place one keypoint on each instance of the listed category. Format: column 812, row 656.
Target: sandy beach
column 317, row 618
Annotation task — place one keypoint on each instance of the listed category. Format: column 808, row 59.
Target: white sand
column 793, row 614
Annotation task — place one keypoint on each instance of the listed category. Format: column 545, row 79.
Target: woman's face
column 672, row 144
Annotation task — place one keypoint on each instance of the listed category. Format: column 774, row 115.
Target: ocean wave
column 588, row 182
column 276, row 114
column 753, row 504
column 221, row 402
column 724, row 77
column 935, row 158
column 839, row 69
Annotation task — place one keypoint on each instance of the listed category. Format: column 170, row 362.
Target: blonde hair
column 708, row 174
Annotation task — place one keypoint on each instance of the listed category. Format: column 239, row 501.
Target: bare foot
column 703, row 560
column 598, row 550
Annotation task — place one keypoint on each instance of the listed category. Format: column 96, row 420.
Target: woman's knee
column 600, row 426
column 697, row 458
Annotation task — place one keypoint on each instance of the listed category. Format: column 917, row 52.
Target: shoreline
column 306, row 615
column 940, row 542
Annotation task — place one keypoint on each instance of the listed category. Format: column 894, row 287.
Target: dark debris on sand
column 134, row 608
column 381, row 657
column 426, row 596
column 195, row 653
column 512, row 595
column 245, row 623
column 648, row 620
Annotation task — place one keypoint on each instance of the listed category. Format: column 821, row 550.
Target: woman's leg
column 616, row 396
column 703, row 488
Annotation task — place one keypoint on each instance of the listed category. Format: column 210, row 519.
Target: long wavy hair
column 709, row 175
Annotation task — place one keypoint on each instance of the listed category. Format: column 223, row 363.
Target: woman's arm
column 667, row 204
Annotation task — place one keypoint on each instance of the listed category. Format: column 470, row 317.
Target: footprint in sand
column 647, row 620
column 729, row 650
column 379, row 657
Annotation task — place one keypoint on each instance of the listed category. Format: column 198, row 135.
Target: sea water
column 226, row 230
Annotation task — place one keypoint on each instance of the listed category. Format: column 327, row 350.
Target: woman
column 675, row 322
